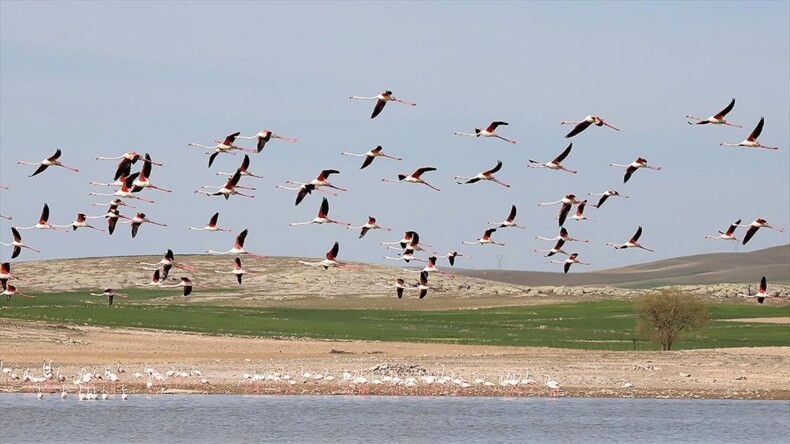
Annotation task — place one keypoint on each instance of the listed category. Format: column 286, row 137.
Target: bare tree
column 665, row 314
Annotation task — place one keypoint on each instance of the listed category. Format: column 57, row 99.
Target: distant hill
column 703, row 269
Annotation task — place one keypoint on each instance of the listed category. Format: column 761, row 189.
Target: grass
column 601, row 325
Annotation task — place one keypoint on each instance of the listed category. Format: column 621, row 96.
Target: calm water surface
column 348, row 419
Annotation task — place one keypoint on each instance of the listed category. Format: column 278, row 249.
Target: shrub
column 665, row 314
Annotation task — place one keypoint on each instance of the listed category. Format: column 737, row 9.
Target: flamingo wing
column 240, row 239
column 245, row 163
column 581, row 126
column 378, row 108
column 187, row 286
column 724, row 112
column 40, row 169
column 399, row 290
column 235, row 179
column 135, row 227
column 303, row 191
column 363, row 232
column 212, row 157
column 16, row 235
column 213, row 221
column 124, row 168
column 332, row 254
column 55, row 156
column 567, row 266
column 496, row 168
column 757, row 130
column 15, row 252
column 563, row 154
column 324, row 175
column 44, row 214
column 489, row 232
column 564, row 210
column 419, row 171
column 602, row 200
column 749, row 233
column 732, row 227
column 763, row 285
column 493, row 126
column 512, row 214
column 635, row 237
column 628, row 172
column 324, row 210
column 111, row 222
column 368, row 160
column 230, row 138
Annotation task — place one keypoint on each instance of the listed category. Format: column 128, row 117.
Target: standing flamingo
column 17, row 244
column 370, row 155
column 243, row 168
column 322, row 217
column 488, row 132
column 212, row 225
column 186, row 283
column 110, row 294
column 633, row 243
column 140, row 219
column 370, row 225
column 265, row 136
column 509, row 222
column 640, row 162
column 555, row 164
column 718, row 119
column 583, row 124
column 570, row 261
column 238, row 247
column 48, row 162
column 485, row 175
column 382, row 100
column 414, row 177
column 751, row 141
column 43, row 223
column 606, row 195
column 563, row 235
column 125, row 191
column 227, row 190
column 330, row 260
column 567, row 201
column 485, row 239
column 557, row 248
column 142, row 179
column 237, row 270
column 756, row 225
column 728, row 235
column 11, row 290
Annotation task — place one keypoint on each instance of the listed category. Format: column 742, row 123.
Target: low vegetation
column 666, row 314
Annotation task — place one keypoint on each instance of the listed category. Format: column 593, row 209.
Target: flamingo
column 330, row 260
column 125, row 191
column 265, row 136
column 563, row 235
column 138, row 220
column 554, row 164
column 48, row 162
column 507, row 223
column 154, row 280
column 640, row 162
column 80, row 222
column 225, row 146
column 11, row 290
column 42, row 222
column 567, row 201
column 579, row 215
column 114, row 202
column 423, row 285
column 399, row 286
column 583, row 124
column 186, row 283
column 414, row 177
column 322, row 180
column 6, row 217
column 485, row 239
column 382, row 100
column 370, row 156
column 751, row 141
column 488, row 132
column 126, row 162
column 429, row 268
column 17, row 244
column 718, row 119
column 452, row 255
column 405, row 240
column 570, row 261
column 142, row 179
column 112, row 219
column 167, row 263
column 762, row 294
column 227, row 190
column 412, row 242
column 553, row 386
column 370, row 225
column 633, row 243
column 485, row 175
column 756, row 225
column 238, row 247
column 118, row 182
column 212, row 225
column 322, row 217
column 303, row 190
column 557, row 248
column 728, row 234
column 606, row 195
column 407, row 255
column 5, row 274
column 237, row 270
column 110, row 294
column 243, row 168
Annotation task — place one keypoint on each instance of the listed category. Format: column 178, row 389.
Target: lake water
column 349, row 419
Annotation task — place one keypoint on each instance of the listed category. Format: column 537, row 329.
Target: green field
column 602, row 325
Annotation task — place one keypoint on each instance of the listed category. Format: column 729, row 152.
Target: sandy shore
column 740, row 373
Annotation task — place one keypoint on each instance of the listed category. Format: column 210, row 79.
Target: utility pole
column 499, row 259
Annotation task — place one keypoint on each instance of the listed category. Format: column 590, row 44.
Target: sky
column 101, row 79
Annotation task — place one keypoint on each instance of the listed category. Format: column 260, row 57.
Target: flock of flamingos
column 131, row 185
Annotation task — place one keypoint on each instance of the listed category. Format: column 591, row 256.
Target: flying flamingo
column 48, row 162
column 42, row 222
column 80, row 222
column 452, row 255
column 583, row 124
column 10, row 290
column 606, row 195
column 126, row 162
column 756, row 225
column 303, row 190
column 112, row 219
column 330, row 260
column 6, row 217
column 563, row 235
column 751, row 141
column 110, row 294
column 640, row 162
column 485, row 239
column 485, row 175
column 154, row 280
column 718, row 119
column 579, row 215
column 488, row 132
column 399, row 286
column 570, row 261
column 507, row 223
column 410, row 240
column 225, row 146
column 370, row 156
column 142, row 179
column 117, row 183
column 405, row 240
column 557, row 248
column 554, row 164
column 382, row 100
column 17, row 244
column 212, row 225
column 633, row 243
column 414, row 177
column 265, row 136
column 429, row 268
column 167, row 263
column 423, row 285
column 762, row 294
column 186, row 283
column 370, row 225
column 322, row 217
column 567, row 201
column 5, row 274
column 728, row 234
column 237, row 270
column 138, row 220
column 227, row 190
column 125, row 191
column 243, row 168
column 407, row 255
column 114, row 202
column 238, row 247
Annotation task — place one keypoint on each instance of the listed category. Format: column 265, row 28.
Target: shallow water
column 347, row 419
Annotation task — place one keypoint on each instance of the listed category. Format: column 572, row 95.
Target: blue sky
column 105, row 78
